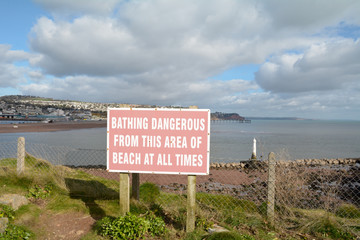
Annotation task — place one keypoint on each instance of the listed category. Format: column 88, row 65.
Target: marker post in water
column 253, row 155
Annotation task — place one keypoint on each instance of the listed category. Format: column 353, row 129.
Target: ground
column 69, row 225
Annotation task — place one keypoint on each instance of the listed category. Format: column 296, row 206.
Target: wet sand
column 50, row 127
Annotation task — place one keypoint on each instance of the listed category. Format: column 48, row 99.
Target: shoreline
column 51, row 127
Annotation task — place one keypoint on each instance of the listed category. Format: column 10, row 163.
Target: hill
column 226, row 116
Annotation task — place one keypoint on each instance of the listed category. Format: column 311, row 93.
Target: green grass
column 76, row 190
column 348, row 211
column 229, row 236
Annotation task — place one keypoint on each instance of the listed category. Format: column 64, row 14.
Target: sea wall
column 262, row 164
column 287, row 163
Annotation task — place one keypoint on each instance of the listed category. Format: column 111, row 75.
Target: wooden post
column 191, row 204
column 271, row 189
column 135, row 190
column 124, row 193
column 21, row 156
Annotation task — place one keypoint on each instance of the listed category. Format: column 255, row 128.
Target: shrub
column 6, row 211
column 149, row 192
column 13, row 232
column 38, row 191
column 329, row 228
column 130, row 226
column 203, row 223
column 124, row 227
column 157, row 226
column 348, row 211
column 157, row 209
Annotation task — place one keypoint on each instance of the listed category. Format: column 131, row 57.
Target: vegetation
column 6, row 211
column 158, row 215
column 13, row 232
column 229, row 236
column 149, row 192
column 348, row 211
column 131, row 226
column 38, row 191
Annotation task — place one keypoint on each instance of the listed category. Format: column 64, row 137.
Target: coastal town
column 31, row 108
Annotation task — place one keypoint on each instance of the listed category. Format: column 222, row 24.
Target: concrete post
column 21, row 156
column 271, row 189
column 124, row 193
column 191, row 204
column 135, row 184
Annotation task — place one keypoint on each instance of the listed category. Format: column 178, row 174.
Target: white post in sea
column 253, row 155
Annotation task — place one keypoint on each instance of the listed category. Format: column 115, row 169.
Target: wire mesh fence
column 303, row 191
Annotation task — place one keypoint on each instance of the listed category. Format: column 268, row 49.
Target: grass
column 76, row 190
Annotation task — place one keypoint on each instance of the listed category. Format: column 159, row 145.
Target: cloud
column 308, row 16
column 126, row 89
column 74, row 8
column 166, row 52
column 10, row 74
column 324, row 66
column 9, row 56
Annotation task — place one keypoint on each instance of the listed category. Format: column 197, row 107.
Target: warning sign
column 156, row 140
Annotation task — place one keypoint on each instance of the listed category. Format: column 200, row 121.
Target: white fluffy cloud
column 165, row 52
column 10, row 74
column 324, row 66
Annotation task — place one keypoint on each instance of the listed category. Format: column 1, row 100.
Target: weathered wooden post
column 21, row 156
column 191, row 204
column 135, row 186
column 124, row 193
column 271, row 189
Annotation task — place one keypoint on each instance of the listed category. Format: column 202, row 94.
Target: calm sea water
column 294, row 139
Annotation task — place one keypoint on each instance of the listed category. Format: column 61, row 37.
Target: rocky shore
column 251, row 164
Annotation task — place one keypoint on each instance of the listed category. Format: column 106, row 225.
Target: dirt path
column 69, row 225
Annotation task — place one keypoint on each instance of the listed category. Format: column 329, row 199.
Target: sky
column 273, row 58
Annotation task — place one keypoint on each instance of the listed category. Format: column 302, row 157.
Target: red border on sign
column 158, row 140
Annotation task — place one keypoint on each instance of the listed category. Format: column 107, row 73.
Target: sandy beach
column 50, row 127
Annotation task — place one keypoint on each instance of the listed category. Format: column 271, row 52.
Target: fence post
column 124, row 193
column 271, row 189
column 191, row 204
column 135, row 190
column 20, row 156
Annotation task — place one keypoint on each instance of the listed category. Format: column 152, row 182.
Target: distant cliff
column 226, row 116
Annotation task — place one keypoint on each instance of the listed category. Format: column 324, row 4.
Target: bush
column 157, row 209
column 329, row 228
column 125, row 227
column 149, row 192
column 6, row 211
column 348, row 211
column 157, row 226
column 130, row 226
column 203, row 223
column 38, row 191
column 13, row 232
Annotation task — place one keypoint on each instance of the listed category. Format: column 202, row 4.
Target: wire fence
column 293, row 195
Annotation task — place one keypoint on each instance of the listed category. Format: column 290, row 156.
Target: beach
column 50, row 127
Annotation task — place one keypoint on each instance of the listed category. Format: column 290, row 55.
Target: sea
column 229, row 141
